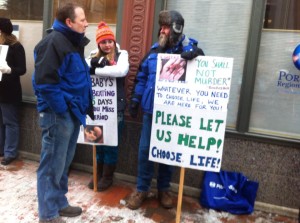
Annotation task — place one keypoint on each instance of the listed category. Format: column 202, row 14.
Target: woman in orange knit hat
column 108, row 60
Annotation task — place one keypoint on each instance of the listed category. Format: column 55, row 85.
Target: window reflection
column 275, row 105
column 96, row 10
column 282, row 14
column 22, row 9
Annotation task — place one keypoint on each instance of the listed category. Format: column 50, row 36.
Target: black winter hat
column 173, row 19
column 6, row 25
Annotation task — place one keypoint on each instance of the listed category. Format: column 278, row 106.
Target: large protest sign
column 190, row 109
column 99, row 131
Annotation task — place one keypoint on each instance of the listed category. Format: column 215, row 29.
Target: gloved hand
column 189, row 55
column 5, row 69
column 133, row 108
column 98, row 62
column 92, row 70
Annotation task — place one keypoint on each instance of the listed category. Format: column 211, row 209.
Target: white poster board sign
column 3, row 54
column 104, row 129
column 190, row 110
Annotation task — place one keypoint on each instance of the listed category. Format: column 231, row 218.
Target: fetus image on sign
column 173, row 69
column 93, row 133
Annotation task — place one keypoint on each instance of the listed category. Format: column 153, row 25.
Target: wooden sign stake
column 180, row 192
column 95, row 168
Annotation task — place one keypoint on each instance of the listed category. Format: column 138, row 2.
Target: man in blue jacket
column 62, row 85
column 171, row 41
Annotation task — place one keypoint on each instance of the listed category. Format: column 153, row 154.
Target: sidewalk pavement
column 18, row 202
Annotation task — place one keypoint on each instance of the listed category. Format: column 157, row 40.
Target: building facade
column 262, row 137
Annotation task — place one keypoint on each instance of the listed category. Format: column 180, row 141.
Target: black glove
column 94, row 62
column 92, row 70
column 189, row 55
column 133, row 108
column 98, row 62
column 90, row 111
column 102, row 62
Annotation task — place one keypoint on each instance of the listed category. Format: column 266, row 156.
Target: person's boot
column 165, row 199
column 99, row 175
column 107, row 177
column 136, row 199
column 70, row 211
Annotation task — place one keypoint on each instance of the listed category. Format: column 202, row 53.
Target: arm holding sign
column 120, row 69
column 108, row 60
column 14, row 65
column 193, row 52
column 189, row 55
column 95, row 61
column 4, row 68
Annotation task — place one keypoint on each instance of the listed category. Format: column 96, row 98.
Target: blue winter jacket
column 61, row 79
column 145, row 79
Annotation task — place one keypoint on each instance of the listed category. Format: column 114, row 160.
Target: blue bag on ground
column 228, row 191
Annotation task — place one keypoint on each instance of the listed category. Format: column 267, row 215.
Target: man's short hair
column 67, row 10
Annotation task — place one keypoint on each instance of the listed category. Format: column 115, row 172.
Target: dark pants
column 9, row 129
column 146, row 167
column 109, row 154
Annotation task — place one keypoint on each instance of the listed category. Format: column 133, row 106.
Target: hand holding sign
column 5, row 69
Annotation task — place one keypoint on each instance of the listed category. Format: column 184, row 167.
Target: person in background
column 171, row 41
column 10, row 92
column 63, row 87
column 108, row 60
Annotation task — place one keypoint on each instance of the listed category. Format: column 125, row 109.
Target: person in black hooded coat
column 10, row 92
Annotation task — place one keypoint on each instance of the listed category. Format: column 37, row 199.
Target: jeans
column 146, row 167
column 9, row 129
column 59, row 138
column 109, row 154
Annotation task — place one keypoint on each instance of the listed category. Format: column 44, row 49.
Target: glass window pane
column 97, row 10
column 221, row 27
column 276, row 104
column 282, row 14
column 22, row 9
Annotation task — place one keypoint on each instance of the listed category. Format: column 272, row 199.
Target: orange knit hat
column 104, row 32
